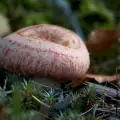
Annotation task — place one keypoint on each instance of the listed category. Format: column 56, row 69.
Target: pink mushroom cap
column 45, row 50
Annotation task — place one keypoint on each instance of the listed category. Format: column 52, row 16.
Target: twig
column 35, row 98
column 86, row 111
column 112, row 98
column 115, row 109
column 101, row 89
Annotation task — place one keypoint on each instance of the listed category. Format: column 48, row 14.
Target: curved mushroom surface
column 45, row 50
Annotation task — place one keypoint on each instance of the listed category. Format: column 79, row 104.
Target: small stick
column 101, row 89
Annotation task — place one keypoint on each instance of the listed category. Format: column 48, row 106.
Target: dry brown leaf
column 102, row 40
column 78, row 82
column 98, row 78
column 118, row 31
column 3, row 114
column 103, row 78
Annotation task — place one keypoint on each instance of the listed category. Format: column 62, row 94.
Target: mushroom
column 45, row 50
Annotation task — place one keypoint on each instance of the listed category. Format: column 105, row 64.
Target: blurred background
column 81, row 16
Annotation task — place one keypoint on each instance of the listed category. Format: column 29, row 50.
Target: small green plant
column 84, row 99
column 71, row 115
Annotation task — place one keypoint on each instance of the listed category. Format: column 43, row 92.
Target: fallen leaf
column 98, row 78
column 1, row 107
column 118, row 31
column 3, row 114
column 103, row 78
column 78, row 82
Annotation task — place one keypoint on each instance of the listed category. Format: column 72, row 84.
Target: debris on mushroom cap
column 45, row 50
